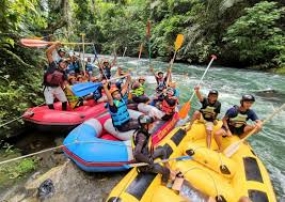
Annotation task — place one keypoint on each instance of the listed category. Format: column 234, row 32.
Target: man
column 168, row 104
column 105, row 68
column 235, row 120
column 161, row 80
column 138, row 91
column 118, row 108
column 90, row 68
column 208, row 113
column 55, row 79
column 143, row 151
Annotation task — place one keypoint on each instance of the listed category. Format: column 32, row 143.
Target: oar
column 232, row 149
column 180, row 158
column 140, row 52
column 177, row 45
column 187, row 106
column 83, row 53
column 148, row 40
column 125, row 51
column 41, row 43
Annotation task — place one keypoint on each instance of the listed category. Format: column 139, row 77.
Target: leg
column 150, row 110
column 196, row 116
column 48, row 93
column 218, row 135
column 60, row 95
column 209, row 129
column 246, row 130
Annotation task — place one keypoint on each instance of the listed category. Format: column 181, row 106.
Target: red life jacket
column 166, row 108
column 55, row 78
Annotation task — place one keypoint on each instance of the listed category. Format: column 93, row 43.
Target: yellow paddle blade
column 232, row 149
column 183, row 112
column 179, row 41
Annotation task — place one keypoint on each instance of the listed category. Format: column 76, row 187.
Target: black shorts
column 235, row 131
column 140, row 99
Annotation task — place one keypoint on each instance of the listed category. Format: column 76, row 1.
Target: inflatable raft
column 46, row 119
column 208, row 175
column 94, row 149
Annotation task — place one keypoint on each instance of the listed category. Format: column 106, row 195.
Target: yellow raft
column 211, row 173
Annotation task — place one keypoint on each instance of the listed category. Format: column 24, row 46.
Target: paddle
column 140, row 52
column 177, row 45
column 41, row 43
column 148, row 40
column 125, row 51
column 82, row 89
column 232, row 149
column 83, row 53
column 183, row 112
column 180, row 158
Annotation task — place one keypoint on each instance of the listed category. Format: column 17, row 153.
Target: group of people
column 63, row 73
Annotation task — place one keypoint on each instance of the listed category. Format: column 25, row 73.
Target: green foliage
column 257, row 37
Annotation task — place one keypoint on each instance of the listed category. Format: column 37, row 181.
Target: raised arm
column 126, row 85
column 198, row 93
column 152, row 71
column 50, row 50
column 108, row 94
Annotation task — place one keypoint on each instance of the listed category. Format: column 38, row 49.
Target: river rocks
column 69, row 184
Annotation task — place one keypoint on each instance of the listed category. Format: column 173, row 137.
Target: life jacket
column 89, row 67
column 239, row 119
column 138, row 91
column 161, row 84
column 147, row 145
column 208, row 110
column 70, row 69
column 166, row 108
column 54, row 78
column 106, row 71
column 71, row 98
column 126, row 97
column 122, row 115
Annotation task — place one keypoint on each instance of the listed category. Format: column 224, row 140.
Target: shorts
column 235, row 131
column 139, row 99
column 209, row 124
column 54, row 92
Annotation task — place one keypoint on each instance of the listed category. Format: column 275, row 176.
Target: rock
column 69, row 184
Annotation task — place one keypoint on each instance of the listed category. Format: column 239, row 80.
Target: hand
column 258, row 126
column 215, row 122
column 151, row 69
column 196, row 88
column 229, row 133
column 150, row 162
column 104, row 83
column 57, row 43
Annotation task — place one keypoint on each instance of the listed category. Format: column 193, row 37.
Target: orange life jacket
column 166, row 108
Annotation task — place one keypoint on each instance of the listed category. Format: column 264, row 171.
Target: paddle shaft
column 125, row 51
column 200, row 81
column 135, row 165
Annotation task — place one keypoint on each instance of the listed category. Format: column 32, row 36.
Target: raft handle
column 220, row 198
column 190, row 152
column 224, row 170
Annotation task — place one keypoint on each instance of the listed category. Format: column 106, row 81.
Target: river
column 231, row 84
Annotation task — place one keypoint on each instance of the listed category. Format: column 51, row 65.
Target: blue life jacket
column 70, row 69
column 122, row 115
column 126, row 98
column 90, row 68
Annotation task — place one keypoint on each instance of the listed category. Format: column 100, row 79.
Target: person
column 143, row 151
column 54, row 79
column 160, row 79
column 73, row 100
column 90, row 68
column 118, row 108
column 138, row 92
column 166, row 109
column 208, row 113
column 105, row 68
column 173, row 86
column 79, row 79
column 235, row 120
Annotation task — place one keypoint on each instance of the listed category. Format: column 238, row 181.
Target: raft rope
column 211, row 177
column 18, row 118
column 58, row 147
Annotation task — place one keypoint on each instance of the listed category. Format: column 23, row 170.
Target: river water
column 231, row 84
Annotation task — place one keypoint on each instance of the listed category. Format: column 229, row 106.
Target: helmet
column 159, row 73
column 247, row 97
column 106, row 61
column 71, row 77
column 113, row 89
column 213, row 92
column 61, row 50
column 145, row 119
column 141, row 78
column 170, row 91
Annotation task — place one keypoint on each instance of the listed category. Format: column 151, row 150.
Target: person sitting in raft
column 137, row 91
column 105, row 68
column 55, row 79
column 166, row 108
column 143, row 151
column 235, row 120
column 160, row 80
column 79, row 79
column 173, row 86
column 208, row 113
column 90, row 68
column 73, row 101
column 97, row 95
column 118, row 107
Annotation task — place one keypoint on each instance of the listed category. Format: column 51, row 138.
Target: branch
column 15, row 57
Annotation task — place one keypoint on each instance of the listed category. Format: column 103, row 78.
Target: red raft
column 45, row 119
